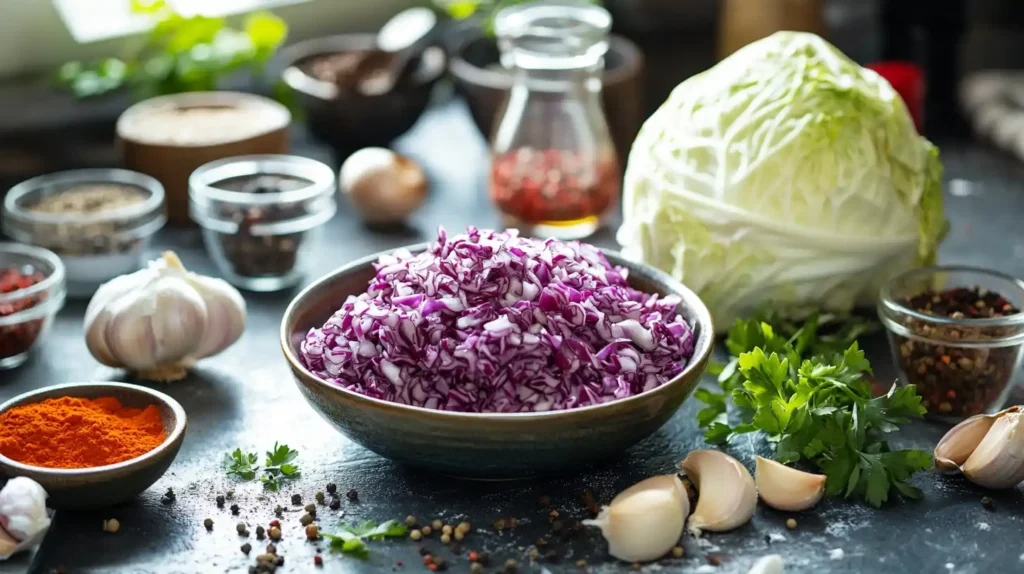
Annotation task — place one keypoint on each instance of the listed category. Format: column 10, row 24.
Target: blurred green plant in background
column 484, row 9
column 180, row 54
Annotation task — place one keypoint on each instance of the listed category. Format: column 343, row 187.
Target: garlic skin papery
column 785, row 488
column 998, row 462
column 158, row 321
column 24, row 519
column 957, row 445
column 645, row 521
column 727, row 495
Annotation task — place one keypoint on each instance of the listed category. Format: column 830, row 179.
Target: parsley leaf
column 350, row 539
column 805, row 386
column 241, row 464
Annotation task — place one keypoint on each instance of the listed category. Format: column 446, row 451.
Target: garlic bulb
column 158, row 321
column 785, row 488
column 727, row 495
column 646, row 520
column 23, row 516
column 382, row 185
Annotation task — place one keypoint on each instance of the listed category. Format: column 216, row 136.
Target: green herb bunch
column 279, row 464
column 805, row 386
column 179, row 54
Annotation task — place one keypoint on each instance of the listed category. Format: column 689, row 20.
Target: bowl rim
column 172, row 437
column 888, row 304
column 703, row 347
column 292, row 55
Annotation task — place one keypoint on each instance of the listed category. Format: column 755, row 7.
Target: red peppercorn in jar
column 16, row 339
column 554, row 171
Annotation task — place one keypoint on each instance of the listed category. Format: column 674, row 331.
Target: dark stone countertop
column 245, row 397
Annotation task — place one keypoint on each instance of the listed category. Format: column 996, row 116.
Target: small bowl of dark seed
column 258, row 213
column 957, row 333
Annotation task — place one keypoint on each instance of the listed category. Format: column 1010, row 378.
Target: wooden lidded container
column 168, row 137
column 744, row 21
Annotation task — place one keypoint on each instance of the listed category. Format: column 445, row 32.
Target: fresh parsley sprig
column 805, row 388
column 350, row 540
column 278, row 465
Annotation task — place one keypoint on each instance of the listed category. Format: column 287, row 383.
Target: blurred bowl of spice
column 168, row 137
column 91, row 445
column 957, row 333
column 345, row 106
column 31, row 292
column 99, row 221
column 258, row 214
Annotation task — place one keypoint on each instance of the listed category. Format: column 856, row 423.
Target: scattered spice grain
column 335, row 504
column 306, row 519
column 446, row 538
column 987, row 503
column 677, row 552
column 416, row 535
column 111, row 525
column 581, row 563
column 275, row 533
column 246, row 548
column 791, row 523
column 319, row 497
column 297, row 499
column 426, row 530
column 240, row 528
column 312, row 532
column 318, row 560
column 230, row 494
column 220, row 501
column 208, row 523
column 410, row 520
column 459, row 536
column 332, row 488
column 234, row 509
column 260, row 533
column 476, row 568
column 352, row 495
column 278, row 510
column 544, row 501
column 511, row 566
column 271, row 548
column 445, row 529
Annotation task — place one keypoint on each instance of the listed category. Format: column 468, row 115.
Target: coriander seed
column 464, row 527
column 446, row 529
column 476, row 568
column 410, row 520
column 581, row 563
column 319, row 496
column 111, row 525
column 677, row 551
column 208, row 523
column 459, row 536
column 446, row 538
column 415, row 535
column 426, row 530
column 791, row 523
column 437, row 524
column 306, row 520
column 275, row 533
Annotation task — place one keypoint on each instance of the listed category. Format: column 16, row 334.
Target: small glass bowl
column 260, row 239
column 94, row 247
column 961, row 366
column 21, row 330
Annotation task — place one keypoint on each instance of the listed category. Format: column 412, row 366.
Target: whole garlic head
column 158, row 321
column 23, row 508
column 382, row 185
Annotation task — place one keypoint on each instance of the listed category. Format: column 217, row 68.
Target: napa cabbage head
column 786, row 175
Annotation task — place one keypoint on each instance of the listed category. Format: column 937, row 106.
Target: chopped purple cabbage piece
column 492, row 322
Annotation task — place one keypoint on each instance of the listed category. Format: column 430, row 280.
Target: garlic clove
column 727, row 494
column 998, row 462
column 957, row 445
column 770, row 564
column 644, row 521
column 785, row 488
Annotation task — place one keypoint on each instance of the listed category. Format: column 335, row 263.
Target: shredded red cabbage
column 493, row 322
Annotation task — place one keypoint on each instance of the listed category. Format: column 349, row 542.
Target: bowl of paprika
column 90, row 445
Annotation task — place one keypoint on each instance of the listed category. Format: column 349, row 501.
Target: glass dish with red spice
column 32, row 290
column 957, row 333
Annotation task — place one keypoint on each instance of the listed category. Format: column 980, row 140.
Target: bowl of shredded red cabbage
column 491, row 322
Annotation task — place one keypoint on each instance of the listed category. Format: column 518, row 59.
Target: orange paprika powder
column 72, row 432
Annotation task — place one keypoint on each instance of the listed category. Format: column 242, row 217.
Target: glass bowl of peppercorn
column 32, row 290
column 957, row 333
column 257, row 214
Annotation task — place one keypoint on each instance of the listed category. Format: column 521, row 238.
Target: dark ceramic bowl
column 348, row 120
column 490, row 445
column 103, row 485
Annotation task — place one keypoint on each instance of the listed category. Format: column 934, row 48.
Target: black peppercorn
column 246, row 548
column 306, row 519
column 208, row 523
column 220, row 501
column 260, row 532
column 311, row 508
column 234, row 509
column 335, row 504
column 352, row 495
column 296, row 499
column 332, row 488
column 987, row 503
column 278, row 511
column 319, row 496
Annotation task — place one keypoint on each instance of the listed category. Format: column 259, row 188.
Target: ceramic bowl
column 475, row 445
column 103, row 485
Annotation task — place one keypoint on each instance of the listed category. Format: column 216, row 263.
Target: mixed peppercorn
column 956, row 372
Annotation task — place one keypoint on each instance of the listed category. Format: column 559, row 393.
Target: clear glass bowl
column 259, row 233
column 97, row 246
column 22, row 329
column 961, row 366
